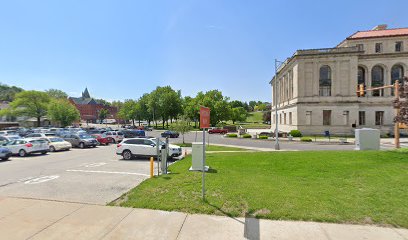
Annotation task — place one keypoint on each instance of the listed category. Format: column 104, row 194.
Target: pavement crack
column 182, row 225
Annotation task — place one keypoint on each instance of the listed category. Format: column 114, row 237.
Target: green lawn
column 346, row 187
column 255, row 117
column 213, row 147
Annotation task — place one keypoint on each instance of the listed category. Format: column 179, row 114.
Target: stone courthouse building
column 315, row 89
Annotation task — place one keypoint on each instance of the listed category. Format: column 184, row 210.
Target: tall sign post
column 204, row 123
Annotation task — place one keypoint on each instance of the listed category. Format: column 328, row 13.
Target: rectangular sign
column 403, row 126
column 204, row 117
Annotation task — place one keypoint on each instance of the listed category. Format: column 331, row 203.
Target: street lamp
column 276, row 95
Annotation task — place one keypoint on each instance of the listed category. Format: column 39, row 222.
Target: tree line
column 166, row 105
column 163, row 104
column 52, row 103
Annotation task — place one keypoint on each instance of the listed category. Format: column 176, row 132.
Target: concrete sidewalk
column 40, row 219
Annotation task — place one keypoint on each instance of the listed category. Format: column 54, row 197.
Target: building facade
column 315, row 89
column 89, row 108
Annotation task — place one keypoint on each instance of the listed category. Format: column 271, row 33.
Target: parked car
column 40, row 135
column 268, row 134
column 170, row 134
column 133, row 133
column 144, row 147
column 5, row 153
column 81, row 140
column 58, row 144
column 24, row 147
column 102, row 139
column 8, row 138
column 218, row 130
column 115, row 136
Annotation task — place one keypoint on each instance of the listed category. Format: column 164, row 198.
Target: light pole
column 276, row 95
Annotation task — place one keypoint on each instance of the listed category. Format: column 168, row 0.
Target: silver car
column 24, row 147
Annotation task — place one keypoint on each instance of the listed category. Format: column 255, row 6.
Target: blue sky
column 122, row 49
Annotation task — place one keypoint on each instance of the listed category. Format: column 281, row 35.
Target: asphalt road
column 95, row 176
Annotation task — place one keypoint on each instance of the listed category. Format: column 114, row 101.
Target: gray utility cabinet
column 367, row 139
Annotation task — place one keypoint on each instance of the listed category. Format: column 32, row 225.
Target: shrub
column 263, row 137
column 306, row 139
column 295, row 133
column 246, row 136
column 232, row 135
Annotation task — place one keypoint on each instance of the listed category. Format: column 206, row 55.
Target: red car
column 102, row 139
column 218, row 130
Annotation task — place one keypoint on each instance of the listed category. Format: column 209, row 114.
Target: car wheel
column 127, row 155
column 52, row 149
column 22, row 153
column 113, row 141
column 5, row 159
column 107, row 143
column 82, row 145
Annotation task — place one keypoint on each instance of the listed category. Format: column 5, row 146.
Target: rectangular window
column 379, row 118
column 360, row 47
column 284, row 118
column 346, row 115
column 290, row 118
column 398, row 47
column 327, row 117
column 378, row 47
column 280, row 118
column 361, row 118
column 308, row 117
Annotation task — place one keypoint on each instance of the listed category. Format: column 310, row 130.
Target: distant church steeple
column 85, row 94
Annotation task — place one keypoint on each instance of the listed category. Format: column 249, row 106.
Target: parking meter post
column 158, row 155
column 167, row 152
column 203, row 175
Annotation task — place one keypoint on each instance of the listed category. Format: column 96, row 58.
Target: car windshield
column 14, row 137
column 84, row 136
column 56, row 139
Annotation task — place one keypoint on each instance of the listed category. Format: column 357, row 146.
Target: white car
column 40, row 135
column 57, row 144
column 23, row 147
column 143, row 147
column 9, row 138
column 116, row 136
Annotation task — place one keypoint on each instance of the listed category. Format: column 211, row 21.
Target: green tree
column 182, row 126
column 103, row 114
column 218, row 104
column 165, row 103
column 30, row 104
column 238, row 114
column 56, row 93
column 63, row 112
column 103, row 102
column 144, row 112
column 8, row 93
column 129, row 110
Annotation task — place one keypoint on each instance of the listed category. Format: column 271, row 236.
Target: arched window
column 360, row 76
column 325, row 81
column 397, row 73
column 377, row 80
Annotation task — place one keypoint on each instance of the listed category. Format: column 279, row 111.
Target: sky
column 122, row 49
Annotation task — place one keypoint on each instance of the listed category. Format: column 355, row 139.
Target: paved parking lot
column 95, row 176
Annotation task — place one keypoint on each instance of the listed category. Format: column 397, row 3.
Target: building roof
column 83, row 101
column 379, row 33
column 85, row 94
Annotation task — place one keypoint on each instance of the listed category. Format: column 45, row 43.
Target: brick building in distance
column 89, row 108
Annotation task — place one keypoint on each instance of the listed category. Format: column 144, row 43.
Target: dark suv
column 81, row 140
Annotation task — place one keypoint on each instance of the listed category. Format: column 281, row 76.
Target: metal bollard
column 151, row 167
